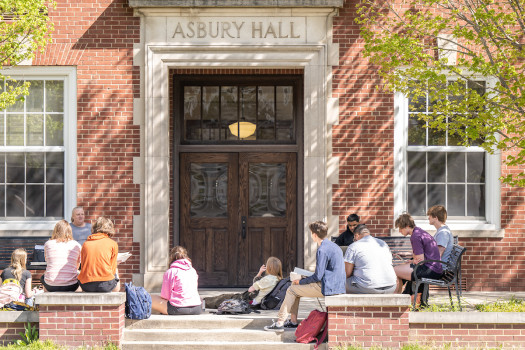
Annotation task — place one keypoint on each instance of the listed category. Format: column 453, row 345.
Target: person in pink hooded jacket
column 179, row 294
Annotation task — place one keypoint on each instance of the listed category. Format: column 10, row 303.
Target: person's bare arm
column 441, row 250
column 418, row 258
column 28, row 291
column 349, row 269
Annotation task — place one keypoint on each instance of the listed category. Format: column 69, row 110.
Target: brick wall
column 82, row 319
column 363, row 141
column 9, row 331
column 474, row 335
column 97, row 37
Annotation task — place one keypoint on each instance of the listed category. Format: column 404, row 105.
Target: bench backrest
column 9, row 244
column 454, row 263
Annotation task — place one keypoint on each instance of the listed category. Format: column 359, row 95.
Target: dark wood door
column 237, row 209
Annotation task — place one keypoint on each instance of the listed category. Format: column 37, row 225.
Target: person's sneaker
column 274, row 328
column 289, row 324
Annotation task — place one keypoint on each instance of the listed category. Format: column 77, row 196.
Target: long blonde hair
column 274, row 267
column 62, row 232
column 18, row 262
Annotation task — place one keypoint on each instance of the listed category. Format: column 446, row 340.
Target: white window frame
column 69, row 76
column 491, row 226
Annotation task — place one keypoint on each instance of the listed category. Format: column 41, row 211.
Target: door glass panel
column 209, row 189
column 267, row 189
column 229, row 114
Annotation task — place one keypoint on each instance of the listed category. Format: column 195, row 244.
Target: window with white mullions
column 32, row 154
column 438, row 169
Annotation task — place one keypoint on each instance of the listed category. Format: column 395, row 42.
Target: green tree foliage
column 413, row 43
column 24, row 30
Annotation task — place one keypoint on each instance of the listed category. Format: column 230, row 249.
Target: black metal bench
column 451, row 275
column 10, row 243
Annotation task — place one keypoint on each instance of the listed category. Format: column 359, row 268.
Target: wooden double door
column 236, row 210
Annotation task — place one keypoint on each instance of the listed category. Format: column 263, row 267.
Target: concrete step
column 215, row 345
column 209, row 332
column 203, row 335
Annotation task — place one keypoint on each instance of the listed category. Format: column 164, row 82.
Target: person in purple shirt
column 424, row 247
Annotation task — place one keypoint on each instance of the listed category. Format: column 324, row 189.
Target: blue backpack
column 138, row 302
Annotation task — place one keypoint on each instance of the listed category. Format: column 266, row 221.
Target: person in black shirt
column 347, row 237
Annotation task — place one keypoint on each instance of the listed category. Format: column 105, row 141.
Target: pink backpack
column 313, row 328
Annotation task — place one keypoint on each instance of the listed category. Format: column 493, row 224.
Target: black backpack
column 274, row 299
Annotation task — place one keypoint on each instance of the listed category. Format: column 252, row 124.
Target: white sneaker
column 274, row 328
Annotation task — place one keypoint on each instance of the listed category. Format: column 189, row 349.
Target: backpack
column 10, row 290
column 311, row 328
column 274, row 299
column 138, row 302
column 234, row 307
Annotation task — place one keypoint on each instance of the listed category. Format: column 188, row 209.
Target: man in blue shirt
column 328, row 279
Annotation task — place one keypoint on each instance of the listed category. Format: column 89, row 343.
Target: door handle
column 243, row 227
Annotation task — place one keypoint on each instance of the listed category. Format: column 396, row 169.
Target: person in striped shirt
column 62, row 254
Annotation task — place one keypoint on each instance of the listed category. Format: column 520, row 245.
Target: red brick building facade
column 126, row 133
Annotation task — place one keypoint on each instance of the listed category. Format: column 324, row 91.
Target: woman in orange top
column 99, row 259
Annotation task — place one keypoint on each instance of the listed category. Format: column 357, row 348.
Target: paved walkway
column 468, row 300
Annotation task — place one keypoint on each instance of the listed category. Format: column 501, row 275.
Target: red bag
column 311, row 328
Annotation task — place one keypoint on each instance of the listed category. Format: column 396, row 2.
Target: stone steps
column 208, row 332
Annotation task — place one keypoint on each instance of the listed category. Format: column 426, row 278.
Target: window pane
column 437, row 137
column 35, row 99
column 417, row 104
column 266, row 113
column 249, row 110
column 54, row 130
column 416, row 166
column 18, row 106
column 285, row 117
column 478, row 86
column 456, row 167
column 192, row 112
column 15, row 168
column 1, row 128
column 436, row 195
column 210, row 113
column 2, row 200
column 417, row 133
column 55, row 200
column 35, row 129
column 456, row 200
column 476, row 200
column 35, row 168
column 416, row 200
column 15, row 130
column 476, row 167
column 54, row 96
column 2, row 168
column 15, row 200
column 54, row 167
column 229, row 112
column 35, row 200
column 436, row 166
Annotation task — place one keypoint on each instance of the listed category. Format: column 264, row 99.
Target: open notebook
column 299, row 273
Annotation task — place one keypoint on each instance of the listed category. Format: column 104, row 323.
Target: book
column 122, row 257
column 299, row 273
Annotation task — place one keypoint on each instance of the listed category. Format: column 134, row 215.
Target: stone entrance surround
column 236, row 37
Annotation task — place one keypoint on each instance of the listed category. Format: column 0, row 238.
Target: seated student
column 264, row 285
column 328, row 279
column 424, row 247
column 347, row 237
column 81, row 229
column 17, row 270
column 62, row 254
column 179, row 294
column 437, row 216
column 98, row 259
column 368, row 264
